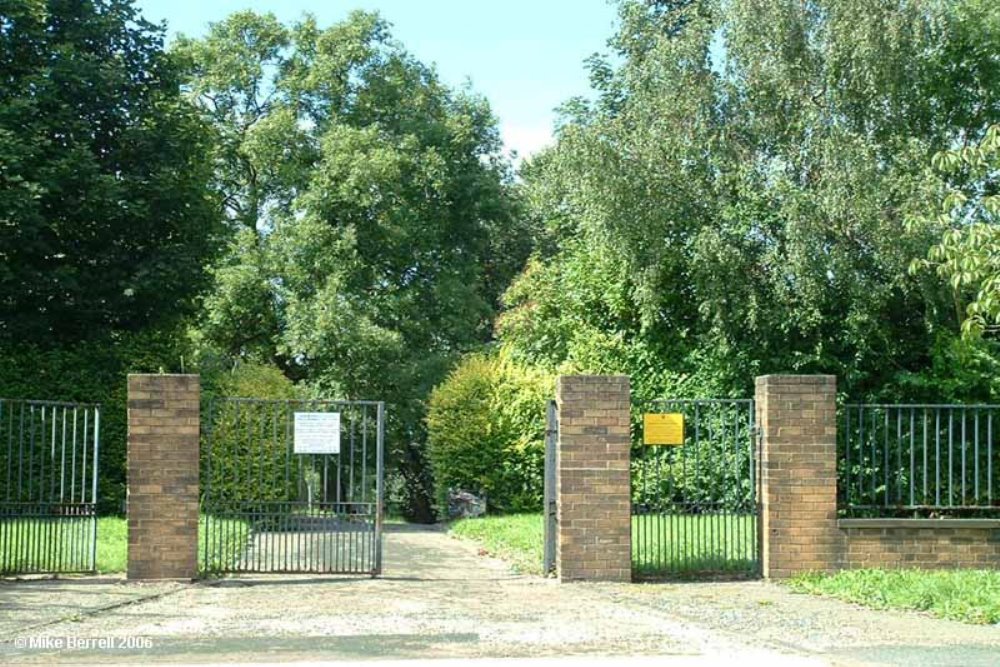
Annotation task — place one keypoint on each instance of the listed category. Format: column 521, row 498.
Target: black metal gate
column 694, row 503
column 48, row 497
column 280, row 495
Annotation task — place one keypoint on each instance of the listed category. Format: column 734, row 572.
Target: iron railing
column 48, row 486
column 694, row 506
column 269, row 508
column 919, row 459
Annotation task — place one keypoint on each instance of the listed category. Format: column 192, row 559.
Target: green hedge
column 486, row 430
column 92, row 372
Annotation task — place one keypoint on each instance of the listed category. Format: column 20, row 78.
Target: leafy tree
column 968, row 255
column 106, row 219
column 377, row 220
column 735, row 197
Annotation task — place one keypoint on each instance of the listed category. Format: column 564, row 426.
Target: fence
column 272, row 508
column 694, row 505
column 919, row 459
column 48, row 518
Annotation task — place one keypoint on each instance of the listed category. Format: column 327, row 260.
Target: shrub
column 244, row 456
column 486, row 430
column 92, row 371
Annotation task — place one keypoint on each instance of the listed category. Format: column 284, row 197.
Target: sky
column 525, row 56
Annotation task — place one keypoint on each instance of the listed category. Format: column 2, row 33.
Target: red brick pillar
column 797, row 416
column 163, row 428
column 592, row 485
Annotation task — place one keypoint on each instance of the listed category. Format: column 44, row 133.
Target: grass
column 661, row 546
column 685, row 545
column 112, row 542
column 970, row 596
column 516, row 538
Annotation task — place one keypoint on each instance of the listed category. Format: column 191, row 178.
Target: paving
column 440, row 599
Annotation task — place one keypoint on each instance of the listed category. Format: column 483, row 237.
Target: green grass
column 661, row 546
column 971, row 596
column 689, row 545
column 232, row 533
column 112, row 542
column 517, row 538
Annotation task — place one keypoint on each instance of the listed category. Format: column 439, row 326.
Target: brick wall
column 798, row 459
column 920, row 543
column 592, row 485
column 163, row 431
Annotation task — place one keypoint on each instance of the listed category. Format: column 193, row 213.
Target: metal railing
column 48, row 486
column 694, row 505
column 919, row 458
column 270, row 508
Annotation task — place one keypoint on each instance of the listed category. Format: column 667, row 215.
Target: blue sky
column 526, row 56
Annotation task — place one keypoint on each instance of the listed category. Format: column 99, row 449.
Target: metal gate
column 48, row 500
column 278, row 499
column 695, row 505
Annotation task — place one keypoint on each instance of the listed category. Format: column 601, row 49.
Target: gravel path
column 440, row 599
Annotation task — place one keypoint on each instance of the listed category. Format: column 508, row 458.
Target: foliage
column 972, row 596
column 486, row 432
column 968, row 255
column 245, row 444
column 739, row 196
column 104, row 202
column 516, row 538
column 376, row 218
column 93, row 371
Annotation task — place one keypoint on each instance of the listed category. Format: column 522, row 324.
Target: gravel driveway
column 440, row 599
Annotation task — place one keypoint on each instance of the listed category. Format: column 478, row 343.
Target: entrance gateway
column 292, row 486
column 693, row 487
column 694, row 478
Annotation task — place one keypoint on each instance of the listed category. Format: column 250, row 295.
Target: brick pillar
column 797, row 415
column 592, row 486
column 163, row 427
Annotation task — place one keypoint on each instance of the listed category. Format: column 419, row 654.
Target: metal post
column 379, row 488
column 551, row 434
column 93, row 489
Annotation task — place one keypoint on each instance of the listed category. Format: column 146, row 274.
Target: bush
column 486, row 431
column 245, row 454
column 93, row 371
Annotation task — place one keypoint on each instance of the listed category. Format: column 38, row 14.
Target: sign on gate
column 293, row 486
column 663, row 429
column 317, row 433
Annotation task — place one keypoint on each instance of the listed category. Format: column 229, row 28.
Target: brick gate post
column 592, row 484
column 163, row 446
column 797, row 416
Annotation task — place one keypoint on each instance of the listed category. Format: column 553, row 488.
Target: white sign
column 317, row 433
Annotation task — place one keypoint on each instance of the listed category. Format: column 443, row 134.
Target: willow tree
column 734, row 197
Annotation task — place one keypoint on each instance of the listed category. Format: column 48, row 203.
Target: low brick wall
column 920, row 543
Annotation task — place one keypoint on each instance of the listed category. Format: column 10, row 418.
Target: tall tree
column 734, row 199
column 374, row 216
column 106, row 219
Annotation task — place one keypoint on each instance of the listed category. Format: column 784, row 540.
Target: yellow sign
column 663, row 429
